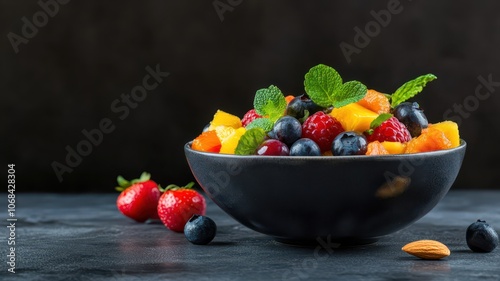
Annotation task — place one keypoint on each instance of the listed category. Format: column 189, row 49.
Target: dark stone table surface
column 84, row 237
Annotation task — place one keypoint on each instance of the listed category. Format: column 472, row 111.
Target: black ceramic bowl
column 348, row 199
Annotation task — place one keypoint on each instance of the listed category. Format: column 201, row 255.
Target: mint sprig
column 324, row 86
column 263, row 123
column 321, row 84
column 410, row 89
column 350, row 92
column 249, row 141
column 270, row 102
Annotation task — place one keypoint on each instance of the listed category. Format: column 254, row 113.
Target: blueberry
column 349, row 143
column 200, row 230
column 297, row 107
column 273, row 147
column 287, row 130
column 481, row 237
column 412, row 117
column 305, row 147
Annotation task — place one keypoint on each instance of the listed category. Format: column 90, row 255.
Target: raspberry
column 390, row 130
column 322, row 129
column 249, row 117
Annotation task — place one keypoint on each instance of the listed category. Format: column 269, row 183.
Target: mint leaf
column 324, row 86
column 249, row 141
column 410, row 89
column 270, row 102
column 321, row 83
column 349, row 92
column 263, row 123
column 379, row 120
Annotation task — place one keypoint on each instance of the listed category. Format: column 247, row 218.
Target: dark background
column 66, row 77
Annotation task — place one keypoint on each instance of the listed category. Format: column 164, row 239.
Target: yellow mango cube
column 450, row 130
column 394, row 147
column 229, row 144
column 224, row 132
column 354, row 117
column 222, row 118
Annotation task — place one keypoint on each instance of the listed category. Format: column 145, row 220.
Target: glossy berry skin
column 305, row 147
column 273, row 147
column 412, row 117
column 481, row 237
column 200, row 230
column 139, row 201
column 349, row 143
column 297, row 107
column 390, row 130
column 322, row 129
column 249, row 117
column 287, row 129
column 177, row 206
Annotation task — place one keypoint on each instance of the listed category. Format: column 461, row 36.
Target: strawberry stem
column 124, row 184
column 176, row 187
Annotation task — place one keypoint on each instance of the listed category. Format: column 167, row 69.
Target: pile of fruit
column 181, row 209
column 331, row 118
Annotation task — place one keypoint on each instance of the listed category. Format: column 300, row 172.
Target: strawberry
column 178, row 204
column 249, row 117
column 138, row 199
column 390, row 130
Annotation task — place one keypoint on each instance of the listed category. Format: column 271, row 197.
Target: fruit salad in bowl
column 331, row 119
column 340, row 161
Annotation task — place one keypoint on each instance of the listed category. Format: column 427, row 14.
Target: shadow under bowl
column 345, row 199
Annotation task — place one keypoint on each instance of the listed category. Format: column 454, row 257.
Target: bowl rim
column 463, row 145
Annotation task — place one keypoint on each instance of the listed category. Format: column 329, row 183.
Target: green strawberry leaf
column 249, row 141
column 410, row 89
column 263, row 123
column 349, row 92
column 122, row 182
column 174, row 187
column 270, row 102
column 145, row 176
column 379, row 120
column 321, row 84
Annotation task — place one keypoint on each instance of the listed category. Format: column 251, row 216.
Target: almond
column 427, row 249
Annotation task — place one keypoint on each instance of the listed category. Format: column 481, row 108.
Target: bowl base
column 333, row 243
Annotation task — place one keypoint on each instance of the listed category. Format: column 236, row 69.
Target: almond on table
column 427, row 249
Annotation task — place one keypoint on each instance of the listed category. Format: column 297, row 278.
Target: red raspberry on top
column 322, row 129
column 390, row 130
column 249, row 117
